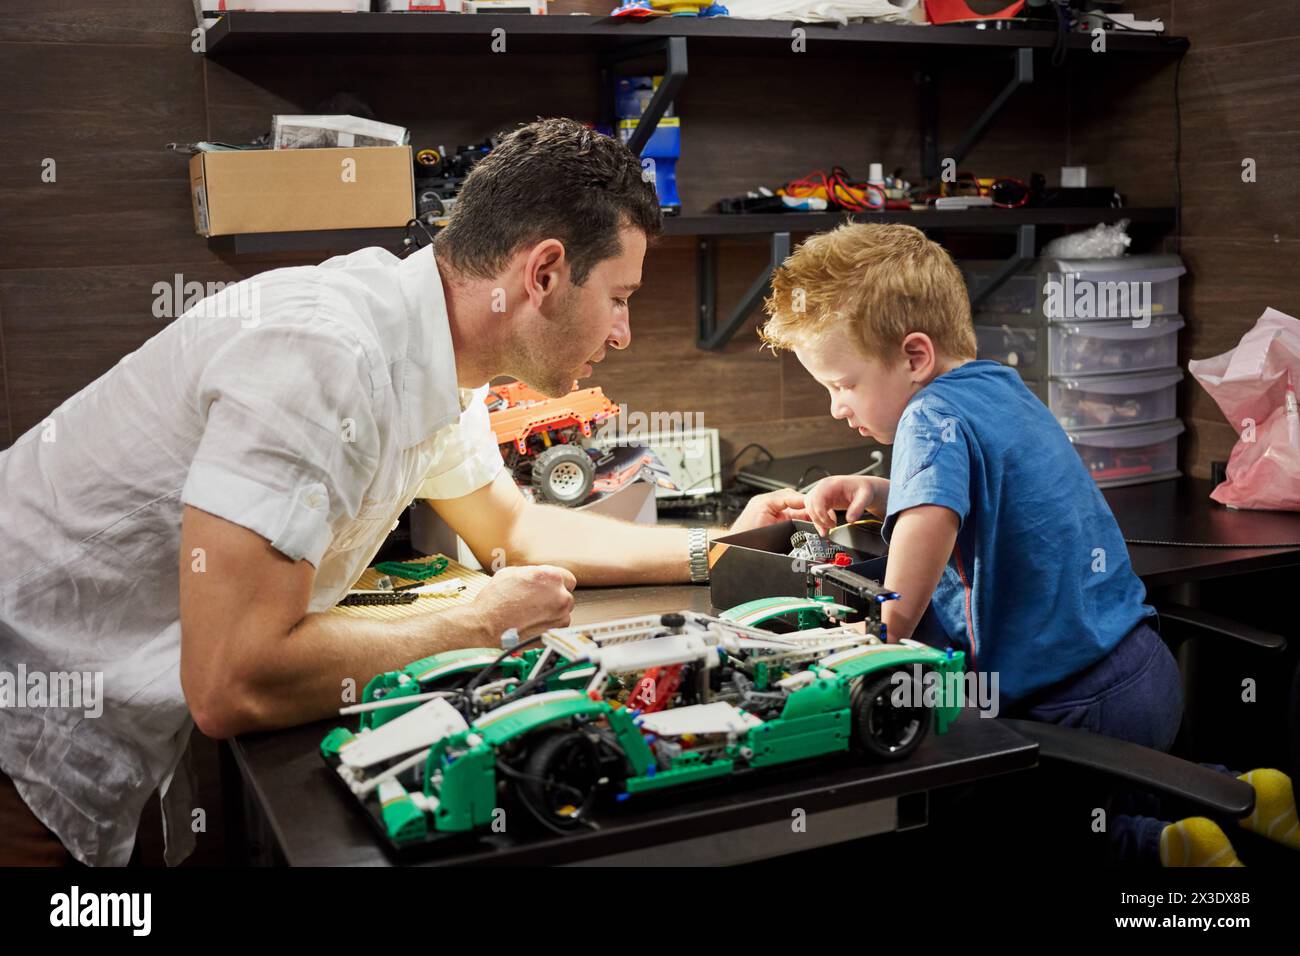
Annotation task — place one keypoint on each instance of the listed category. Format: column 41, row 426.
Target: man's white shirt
column 309, row 405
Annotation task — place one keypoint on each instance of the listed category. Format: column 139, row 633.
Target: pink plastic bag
column 1253, row 386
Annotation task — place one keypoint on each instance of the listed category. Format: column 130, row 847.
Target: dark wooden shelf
column 453, row 33
column 980, row 220
column 975, row 220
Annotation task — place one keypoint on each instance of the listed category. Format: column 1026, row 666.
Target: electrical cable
column 1061, row 46
column 734, row 458
column 877, row 459
column 478, row 678
column 411, row 242
column 838, row 189
column 1212, row 544
column 1178, row 159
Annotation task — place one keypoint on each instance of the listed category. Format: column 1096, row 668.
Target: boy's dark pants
column 1134, row 693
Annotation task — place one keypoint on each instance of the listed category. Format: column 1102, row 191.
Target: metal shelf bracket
column 1023, row 73
column 674, row 78
column 712, row 336
column 1025, row 253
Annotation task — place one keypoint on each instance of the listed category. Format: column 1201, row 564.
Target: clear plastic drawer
column 1018, row 294
column 1009, row 344
column 1099, row 348
column 1129, row 456
column 1108, row 400
column 1076, row 290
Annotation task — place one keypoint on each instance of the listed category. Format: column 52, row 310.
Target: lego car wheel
column 882, row 728
column 564, row 474
column 562, row 774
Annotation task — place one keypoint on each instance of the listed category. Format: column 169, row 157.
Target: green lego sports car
column 627, row 707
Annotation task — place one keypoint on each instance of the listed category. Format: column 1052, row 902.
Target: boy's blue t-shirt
column 1039, row 585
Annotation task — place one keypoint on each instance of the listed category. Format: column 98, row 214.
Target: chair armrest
column 1215, row 792
column 1193, row 622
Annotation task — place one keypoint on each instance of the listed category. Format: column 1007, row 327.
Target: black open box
column 756, row 564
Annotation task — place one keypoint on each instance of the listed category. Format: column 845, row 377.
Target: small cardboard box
column 295, row 190
column 757, row 564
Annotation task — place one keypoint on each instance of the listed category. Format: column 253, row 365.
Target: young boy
column 988, row 511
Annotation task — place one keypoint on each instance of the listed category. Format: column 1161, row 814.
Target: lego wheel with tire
column 561, row 776
column 564, row 474
column 883, row 728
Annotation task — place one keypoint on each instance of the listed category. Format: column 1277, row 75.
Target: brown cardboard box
column 292, row 190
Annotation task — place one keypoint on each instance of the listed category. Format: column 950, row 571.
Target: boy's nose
column 838, row 411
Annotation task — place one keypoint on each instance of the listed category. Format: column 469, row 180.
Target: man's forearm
column 301, row 676
column 600, row 550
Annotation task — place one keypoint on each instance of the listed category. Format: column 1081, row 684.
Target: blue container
column 663, row 149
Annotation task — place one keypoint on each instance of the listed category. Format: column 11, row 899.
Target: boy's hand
column 770, row 508
column 852, row 494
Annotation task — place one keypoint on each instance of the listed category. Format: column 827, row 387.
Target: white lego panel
column 624, row 628
column 569, row 642
column 639, row 655
column 716, row 718
column 419, row 728
column 388, row 791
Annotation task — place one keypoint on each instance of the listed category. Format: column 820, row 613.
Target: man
column 177, row 528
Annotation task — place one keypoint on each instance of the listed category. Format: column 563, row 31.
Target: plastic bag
column 1253, row 386
column 1100, row 242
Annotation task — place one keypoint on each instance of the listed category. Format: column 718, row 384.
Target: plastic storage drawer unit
column 1129, row 456
column 1019, row 294
column 1098, row 348
column 1105, row 400
column 1013, row 345
column 1098, row 289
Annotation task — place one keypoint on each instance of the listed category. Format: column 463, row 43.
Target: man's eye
column 621, row 302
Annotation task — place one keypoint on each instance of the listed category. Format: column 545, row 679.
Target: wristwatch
column 699, row 553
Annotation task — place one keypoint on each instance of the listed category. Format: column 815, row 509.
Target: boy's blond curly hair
column 878, row 281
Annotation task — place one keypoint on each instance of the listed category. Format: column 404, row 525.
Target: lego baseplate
column 473, row 581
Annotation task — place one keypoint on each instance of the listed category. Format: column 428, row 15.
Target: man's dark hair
column 554, row 178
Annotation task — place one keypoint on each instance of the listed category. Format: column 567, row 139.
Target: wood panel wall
column 100, row 85
column 1241, row 241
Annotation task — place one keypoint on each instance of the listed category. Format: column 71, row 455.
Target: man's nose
column 620, row 337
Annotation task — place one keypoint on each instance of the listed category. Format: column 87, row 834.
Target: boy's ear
column 919, row 352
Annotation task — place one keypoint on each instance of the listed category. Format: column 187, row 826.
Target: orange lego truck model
column 541, row 438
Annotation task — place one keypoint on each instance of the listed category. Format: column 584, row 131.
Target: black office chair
column 1078, row 757
column 1075, row 759
column 1181, row 625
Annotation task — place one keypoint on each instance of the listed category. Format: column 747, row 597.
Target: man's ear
column 544, row 267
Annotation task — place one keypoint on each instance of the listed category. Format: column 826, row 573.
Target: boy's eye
column 621, row 302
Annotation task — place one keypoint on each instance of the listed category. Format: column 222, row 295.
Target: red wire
column 840, row 190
